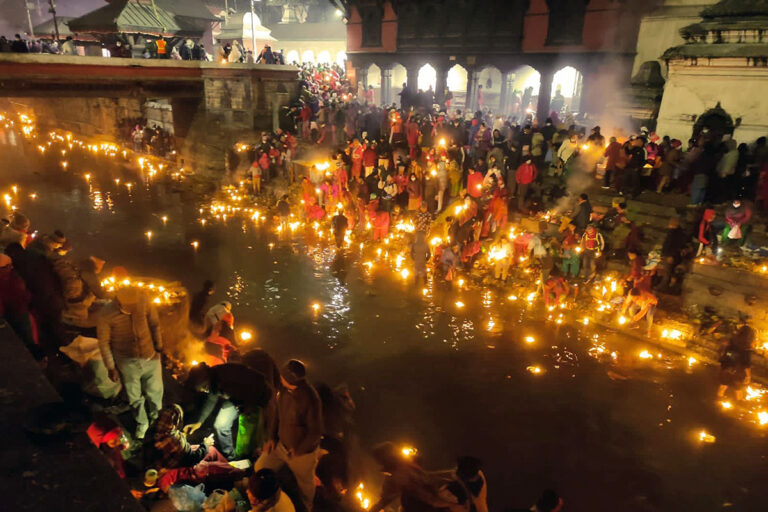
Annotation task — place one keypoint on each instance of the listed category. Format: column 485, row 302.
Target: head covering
column 294, row 372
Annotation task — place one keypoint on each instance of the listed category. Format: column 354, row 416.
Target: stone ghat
column 63, row 474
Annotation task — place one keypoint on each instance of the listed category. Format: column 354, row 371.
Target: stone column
column 471, row 101
column 386, row 84
column 507, row 84
column 412, row 74
column 545, row 95
column 440, row 84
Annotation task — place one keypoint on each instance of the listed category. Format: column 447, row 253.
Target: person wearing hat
column 130, row 341
column 296, row 431
column 265, row 495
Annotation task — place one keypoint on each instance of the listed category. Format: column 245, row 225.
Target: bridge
column 209, row 100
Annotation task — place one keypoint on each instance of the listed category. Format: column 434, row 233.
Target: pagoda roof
column 730, row 28
column 707, row 50
column 161, row 17
column 736, row 8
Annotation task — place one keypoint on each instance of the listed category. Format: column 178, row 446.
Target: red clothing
column 306, row 113
column 380, row 225
column 370, row 157
column 357, row 160
column 475, row 184
column 526, row 174
column 14, row 297
column 613, row 154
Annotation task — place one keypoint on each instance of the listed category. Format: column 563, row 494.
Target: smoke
column 580, row 179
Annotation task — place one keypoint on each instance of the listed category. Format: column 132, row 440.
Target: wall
column 388, row 32
column 87, row 116
column 660, row 29
column 602, row 21
column 691, row 90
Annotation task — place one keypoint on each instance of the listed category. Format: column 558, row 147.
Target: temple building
column 137, row 21
column 534, row 54
column 718, row 77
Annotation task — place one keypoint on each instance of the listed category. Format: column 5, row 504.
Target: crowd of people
column 154, row 48
column 458, row 180
column 232, row 422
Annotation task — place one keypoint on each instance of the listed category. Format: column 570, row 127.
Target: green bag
column 251, row 433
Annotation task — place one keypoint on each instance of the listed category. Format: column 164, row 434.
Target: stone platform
column 66, row 475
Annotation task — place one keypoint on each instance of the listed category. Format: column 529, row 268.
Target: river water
column 608, row 434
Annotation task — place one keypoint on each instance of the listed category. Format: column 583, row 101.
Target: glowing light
column 705, row 437
column 491, row 324
column 762, row 417
column 87, row 177
column 404, row 273
column 194, row 362
column 536, row 370
column 408, row 451
column 148, row 234
column 315, row 307
column 460, row 282
column 512, row 298
column 726, row 405
column 645, row 355
column 622, row 320
column 529, row 339
column 195, row 244
column 246, row 335
column 164, row 218
column 459, row 304
column 692, row 361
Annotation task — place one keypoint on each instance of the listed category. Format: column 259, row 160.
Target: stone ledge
column 62, row 476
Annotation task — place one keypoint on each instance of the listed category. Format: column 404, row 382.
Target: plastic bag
column 219, row 501
column 735, row 233
column 186, row 498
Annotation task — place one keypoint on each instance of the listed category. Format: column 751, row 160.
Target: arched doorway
column 566, row 91
column 292, row 57
column 427, row 77
column 715, row 123
column 456, row 81
column 524, row 93
column 399, row 77
column 341, row 58
column 308, row 56
column 489, row 88
column 374, row 79
column 324, row 57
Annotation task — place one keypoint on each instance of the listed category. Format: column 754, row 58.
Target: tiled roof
column 736, row 8
column 328, row 31
column 138, row 16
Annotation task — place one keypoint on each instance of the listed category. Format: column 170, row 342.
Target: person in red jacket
column 525, row 175
column 707, row 237
column 370, row 157
column 475, row 184
column 412, row 133
column 306, row 116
